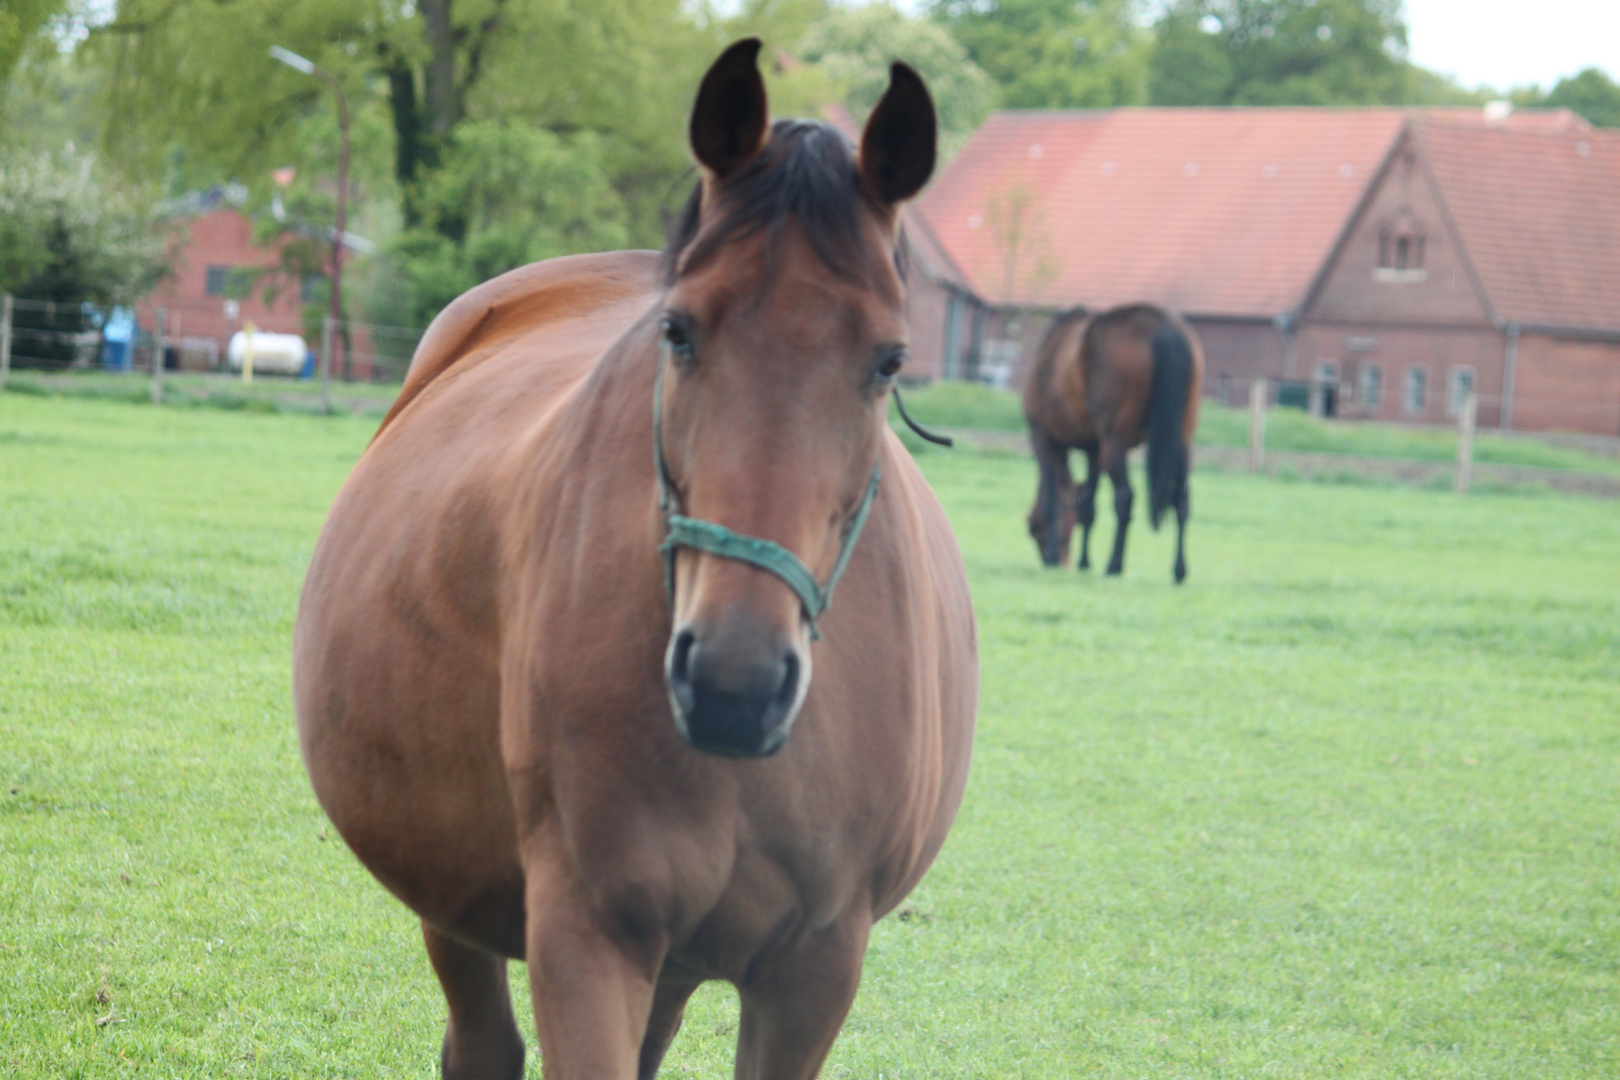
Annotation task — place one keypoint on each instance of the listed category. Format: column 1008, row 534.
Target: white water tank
column 273, row 354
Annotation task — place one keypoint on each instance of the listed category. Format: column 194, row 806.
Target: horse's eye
column 676, row 337
column 890, row 365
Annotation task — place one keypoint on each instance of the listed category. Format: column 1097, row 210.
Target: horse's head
column 1051, row 523
column 782, row 331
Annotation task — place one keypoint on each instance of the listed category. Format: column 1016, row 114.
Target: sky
column 1507, row 43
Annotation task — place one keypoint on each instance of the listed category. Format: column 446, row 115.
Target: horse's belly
column 398, row 700
column 403, row 752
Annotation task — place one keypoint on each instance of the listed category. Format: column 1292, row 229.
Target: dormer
column 1401, row 243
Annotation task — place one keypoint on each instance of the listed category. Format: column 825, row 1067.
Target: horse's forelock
column 806, row 173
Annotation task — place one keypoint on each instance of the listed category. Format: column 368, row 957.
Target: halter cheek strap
column 715, row 539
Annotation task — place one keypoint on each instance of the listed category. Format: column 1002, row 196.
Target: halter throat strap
column 715, row 539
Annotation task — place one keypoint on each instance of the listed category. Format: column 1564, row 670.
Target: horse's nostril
column 680, row 669
column 789, row 689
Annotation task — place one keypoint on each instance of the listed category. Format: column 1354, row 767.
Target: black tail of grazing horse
column 1167, row 449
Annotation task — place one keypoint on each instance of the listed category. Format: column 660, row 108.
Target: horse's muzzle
column 734, row 694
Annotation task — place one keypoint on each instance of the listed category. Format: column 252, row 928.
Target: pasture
column 1344, row 805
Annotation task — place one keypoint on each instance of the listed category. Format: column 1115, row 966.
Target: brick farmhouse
column 1371, row 262
column 224, row 281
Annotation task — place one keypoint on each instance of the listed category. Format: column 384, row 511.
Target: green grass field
column 1343, row 806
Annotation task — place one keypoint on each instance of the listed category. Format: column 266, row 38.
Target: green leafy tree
column 21, row 24
column 66, row 235
column 1424, row 87
column 194, row 96
column 507, row 195
column 47, row 104
column 852, row 49
column 1591, row 93
column 1053, row 53
column 195, row 73
column 1279, row 52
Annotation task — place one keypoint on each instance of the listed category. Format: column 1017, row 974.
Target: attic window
column 1401, row 248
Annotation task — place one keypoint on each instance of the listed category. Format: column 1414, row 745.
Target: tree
column 195, row 73
column 1280, row 52
column 1053, row 53
column 21, row 22
column 194, row 97
column 507, row 195
column 69, row 237
column 852, row 49
column 1591, row 94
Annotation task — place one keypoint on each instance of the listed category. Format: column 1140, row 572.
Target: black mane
column 806, row 172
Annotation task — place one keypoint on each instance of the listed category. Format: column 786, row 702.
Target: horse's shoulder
column 521, row 301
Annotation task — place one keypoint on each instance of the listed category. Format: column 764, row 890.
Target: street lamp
column 307, row 67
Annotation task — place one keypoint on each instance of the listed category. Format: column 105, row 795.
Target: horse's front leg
column 792, row 1009
column 1114, row 454
column 481, row 1041
column 1085, row 506
column 592, row 971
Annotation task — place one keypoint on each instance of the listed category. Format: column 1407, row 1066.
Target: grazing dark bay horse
column 1103, row 384
column 566, row 674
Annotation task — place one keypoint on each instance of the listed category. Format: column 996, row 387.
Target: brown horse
column 1102, row 385
column 544, row 690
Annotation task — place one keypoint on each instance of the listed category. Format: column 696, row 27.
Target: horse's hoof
column 1115, row 571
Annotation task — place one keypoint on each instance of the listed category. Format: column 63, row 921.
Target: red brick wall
column 192, row 317
column 1437, row 351
column 220, row 238
column 927, row 306
column 1236, row 352
column 1564, row 384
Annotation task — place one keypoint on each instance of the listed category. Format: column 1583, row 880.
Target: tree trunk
column 411, row 152
column 443, row 103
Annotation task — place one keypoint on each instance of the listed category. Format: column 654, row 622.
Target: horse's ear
column 728, row 121
column 899, row 143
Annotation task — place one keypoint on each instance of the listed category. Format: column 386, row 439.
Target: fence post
column 1465, row 441
column 1257, row 425
column 5, row 340
column 326, row 364
column 157, row 357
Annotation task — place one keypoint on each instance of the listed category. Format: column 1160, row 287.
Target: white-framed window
column 1417, row 389
column 1462, row 384
column 1372, row 386
column 1327, row 371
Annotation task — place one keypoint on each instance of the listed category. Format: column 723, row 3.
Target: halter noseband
column 715, row 539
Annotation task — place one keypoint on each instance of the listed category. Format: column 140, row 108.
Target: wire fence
column 205, row 338
column 209, row 337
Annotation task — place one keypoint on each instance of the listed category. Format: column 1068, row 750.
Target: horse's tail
column 1167, row 450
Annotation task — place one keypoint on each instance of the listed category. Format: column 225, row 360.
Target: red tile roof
column 1228, row 211
column 1539, row 216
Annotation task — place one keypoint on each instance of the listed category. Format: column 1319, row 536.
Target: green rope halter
column 716, row 539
